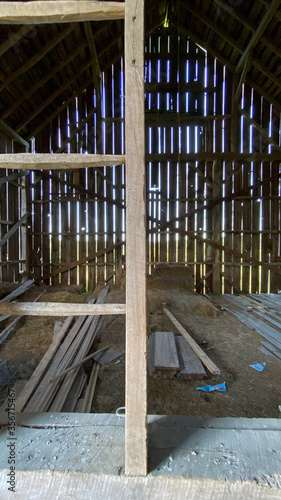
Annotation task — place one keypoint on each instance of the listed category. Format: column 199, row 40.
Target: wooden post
column 136, row 404
column 216, row 276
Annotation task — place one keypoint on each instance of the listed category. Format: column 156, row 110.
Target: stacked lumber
column 170, row 355
column 45, row 391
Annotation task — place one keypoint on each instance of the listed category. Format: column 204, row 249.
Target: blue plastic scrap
column 258, row 366
column 210, row 388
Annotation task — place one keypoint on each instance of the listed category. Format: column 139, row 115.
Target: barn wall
column 77, row 213
column 12, row 253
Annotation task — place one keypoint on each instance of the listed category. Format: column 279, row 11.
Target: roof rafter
column 235, row 44
column 94, row 57
column 14, row 38
column 270, row 12
column 36, row 57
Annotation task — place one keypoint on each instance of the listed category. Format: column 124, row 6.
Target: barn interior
column 140, row 233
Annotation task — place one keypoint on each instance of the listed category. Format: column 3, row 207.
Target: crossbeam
column 23, row 161
column 43, row 12
column 60, row 309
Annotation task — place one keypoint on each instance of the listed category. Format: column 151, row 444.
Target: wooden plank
column 190, row 365
column 75, row 392
column 200, row 353
column 60, row 309
column 165, row 352
column 38, row 373
column 12, row 177
column 88, row 338
column 272, row 349
column 45, row 392
column 89, row 396
column 136, row 399
column 4, row 334
column 13, row 229
column 72, row 265
column 12, row 134
column 210, row 156
column 94, row 355
column 41, row 12
column 18, row 291
column 260, row 29
column 22, row 161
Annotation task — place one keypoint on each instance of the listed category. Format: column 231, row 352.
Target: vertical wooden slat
column 209, row 167
column 256, row 193
column 246, row 202
column 182, row 165
column 118, row 99
column 65, row 228
column 136, row 400
column 275, row 212
column 266, row 243
column 229, row 146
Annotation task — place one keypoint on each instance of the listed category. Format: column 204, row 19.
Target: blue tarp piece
column 210, row 388
column 258, row 366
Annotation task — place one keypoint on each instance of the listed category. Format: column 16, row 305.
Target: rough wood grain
column 41, row 12
column 61, row 309
column 190, row 365
column 200, row 353
column 47, row 161
column 38, row 373
column 136, row 404
column 165, row 351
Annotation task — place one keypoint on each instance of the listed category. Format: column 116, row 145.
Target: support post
column 136, row 403
column 216, row 275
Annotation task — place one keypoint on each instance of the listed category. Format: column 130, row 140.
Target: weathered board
column 190, row 365
column 165, row 352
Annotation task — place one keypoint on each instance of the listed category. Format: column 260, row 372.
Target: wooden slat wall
column 10, row 196
column 69, row 223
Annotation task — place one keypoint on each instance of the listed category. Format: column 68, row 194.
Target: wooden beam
column 261, row 130
column 13, row 229
column 216, row 225
column 206, row 156
column 59, row 109
column 245, row 23
column 38, row 373
column 79, row 363
column 72, row 265
column 270, row 12
column 42, row 81
column 75, row 131
column 42, row 12
column 200, row 353
column 94, row 57
column 14, row 38
column 67, row 83
column 228, row 250
column 12, row 177
column 213, row 203
column 14, row 75
column 80, row 189
column 234, row 43
column 243, row 75
column 46, row 161
column 12, row 134
column 136, row 398
column 60, row 309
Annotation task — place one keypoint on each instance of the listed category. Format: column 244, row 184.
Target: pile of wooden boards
column 261, row 312
column 170, row 355
column 45, row 391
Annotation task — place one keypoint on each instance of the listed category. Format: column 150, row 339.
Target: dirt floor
column 229, row 343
